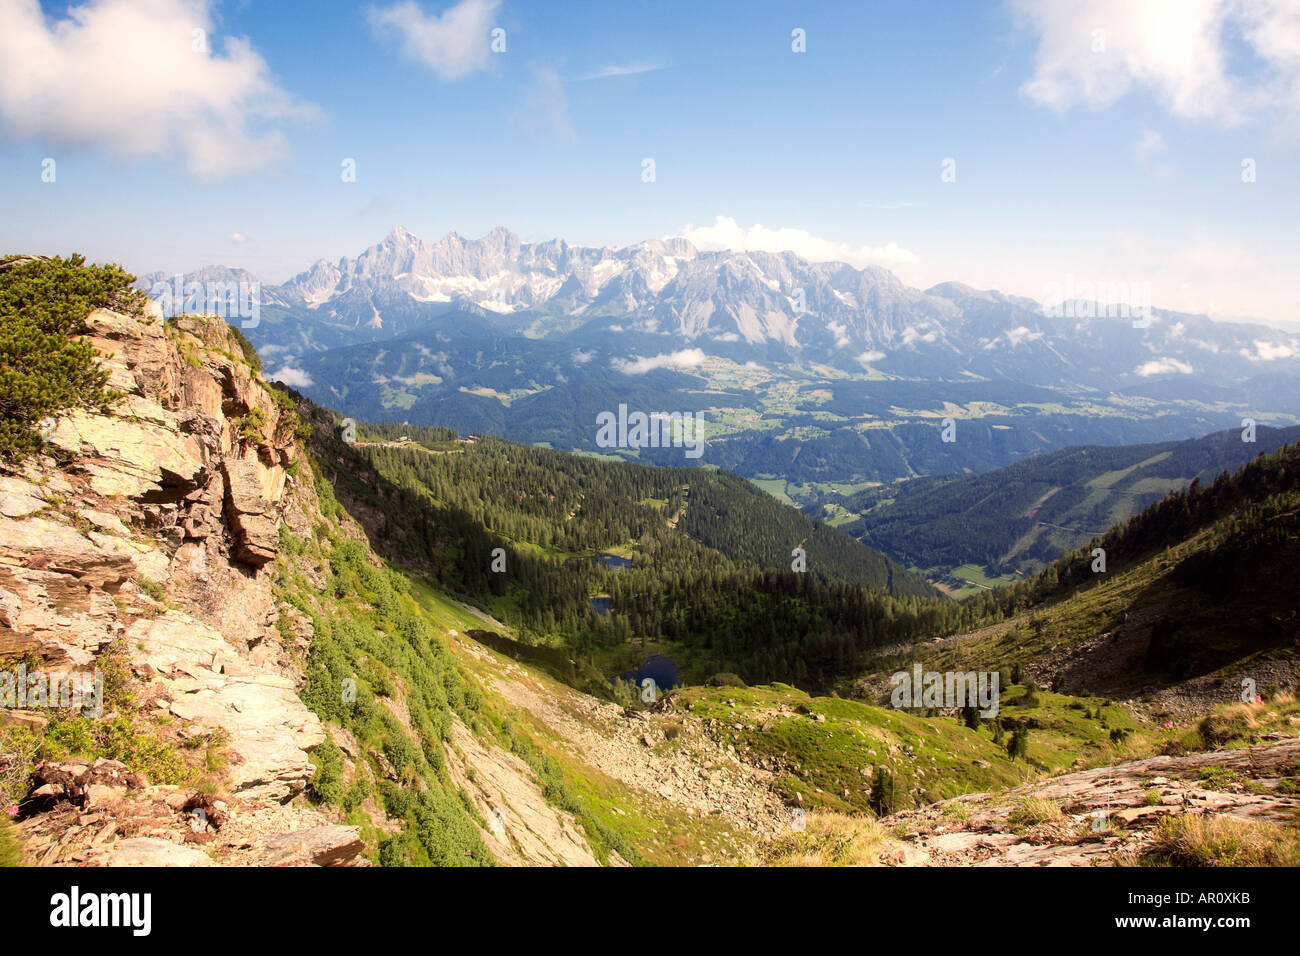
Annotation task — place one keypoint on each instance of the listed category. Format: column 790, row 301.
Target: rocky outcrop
column 315, row 846
column 250, row 514
column 83, row 784
column 186, row 477
column 1101, row 816
column 147, row 533
column 523, row 829
column 147, row 851
column 195, row 675
column 97, row 814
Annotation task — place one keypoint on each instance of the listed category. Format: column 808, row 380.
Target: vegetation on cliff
column 44, row 369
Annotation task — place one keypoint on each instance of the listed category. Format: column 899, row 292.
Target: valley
column 419, row 604
column 478, row 436
column 976, row 531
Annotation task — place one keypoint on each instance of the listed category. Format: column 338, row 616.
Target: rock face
column 523, row 829
column 200, row 679
column 185, row 482
column 150, row 851
column 97, row 814
column 251, row 515
column 149, row 538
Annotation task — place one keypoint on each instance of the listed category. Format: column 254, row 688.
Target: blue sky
column 1118, row 160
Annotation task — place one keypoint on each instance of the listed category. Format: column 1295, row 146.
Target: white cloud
column 629, row 69
column 726, row 233
column 870, row 358
column 686, row 358
column 1271, row 351
column 140, row 78
column 580, row 357
column 439, row 360
column 453, row 44
column 1148, row 147
column 1203, row 267
column 1151, row 143
column 294, row 377
column 1094, row 52
column 1163, row 366
column 238, row 238
column 1203, row 271
column 1020, row 335
column 545, row 109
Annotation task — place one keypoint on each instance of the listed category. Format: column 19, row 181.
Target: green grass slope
column 1200, row 582
column 1021, row 517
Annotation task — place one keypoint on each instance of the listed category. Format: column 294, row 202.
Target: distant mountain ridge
column 1196, row 593
column 676, row 295
column 1018, row 518
column 813, row 372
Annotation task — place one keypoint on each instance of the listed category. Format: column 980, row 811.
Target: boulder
column 149, row 851
column 19, row 498
column 314, row 846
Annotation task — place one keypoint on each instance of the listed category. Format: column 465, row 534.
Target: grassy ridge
column 372, row 642
column 1202, row 580
column 1021, row 517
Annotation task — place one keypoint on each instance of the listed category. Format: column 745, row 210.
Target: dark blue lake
column 658, row 668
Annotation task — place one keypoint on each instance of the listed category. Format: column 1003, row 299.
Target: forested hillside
column 1200, row 580
column 1019, row 518
column 601, row 557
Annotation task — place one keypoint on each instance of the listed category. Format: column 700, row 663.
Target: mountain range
column 848, row 369
column 671, row 290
